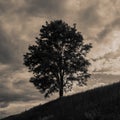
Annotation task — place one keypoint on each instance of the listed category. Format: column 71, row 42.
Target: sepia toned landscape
column 72, row 45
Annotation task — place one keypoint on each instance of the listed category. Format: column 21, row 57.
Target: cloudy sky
column 20, row 21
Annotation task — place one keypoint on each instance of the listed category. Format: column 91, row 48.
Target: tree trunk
column 61, row 92
column 61, row 88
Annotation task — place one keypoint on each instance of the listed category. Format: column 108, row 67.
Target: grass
column 101, row 103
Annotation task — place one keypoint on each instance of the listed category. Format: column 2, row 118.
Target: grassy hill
column 102, row 103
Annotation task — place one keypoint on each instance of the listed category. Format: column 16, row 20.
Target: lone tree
column 58, row 58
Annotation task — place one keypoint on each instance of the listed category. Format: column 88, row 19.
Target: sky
column 20, row 22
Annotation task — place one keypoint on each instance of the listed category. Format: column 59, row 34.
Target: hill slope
column 98, row 104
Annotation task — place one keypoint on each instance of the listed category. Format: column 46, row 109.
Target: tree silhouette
column 58, row 58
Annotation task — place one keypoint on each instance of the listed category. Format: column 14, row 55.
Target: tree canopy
column 58, row 58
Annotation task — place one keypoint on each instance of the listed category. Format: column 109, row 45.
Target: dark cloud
column 4, row 105
column 33, row 8
column 6, row 50
column 12, row 97
column 8, row 96
column 15, row 87
column 89, row 19
column 89, row 16
column 5, row 6
column 114, row 25
column 40, row 7
column 12, row 48
column 12, row 90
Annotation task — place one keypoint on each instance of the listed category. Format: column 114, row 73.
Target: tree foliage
column 58, row 58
